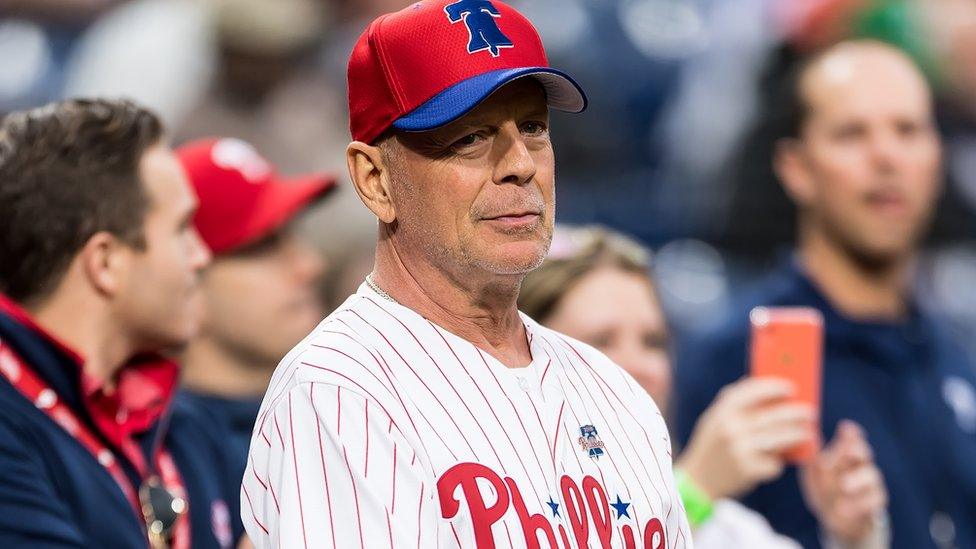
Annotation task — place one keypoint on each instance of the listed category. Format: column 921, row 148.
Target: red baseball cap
column 242, row 199
column 430, row 63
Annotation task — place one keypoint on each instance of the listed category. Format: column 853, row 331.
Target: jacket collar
column 142, row 392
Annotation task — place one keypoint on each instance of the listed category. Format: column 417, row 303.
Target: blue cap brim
column 562, row 93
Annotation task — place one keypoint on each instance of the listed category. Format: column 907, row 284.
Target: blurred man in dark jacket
column 862, row 164
column 99, row 273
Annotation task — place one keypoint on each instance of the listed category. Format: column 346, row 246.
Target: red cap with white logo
column 242, row 199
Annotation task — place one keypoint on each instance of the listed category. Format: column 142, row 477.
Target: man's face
column 868, row 154
column 476, row 197
column 156, row 303
column 262, row 300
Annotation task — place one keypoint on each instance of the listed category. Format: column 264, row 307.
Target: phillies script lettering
column 580, row 502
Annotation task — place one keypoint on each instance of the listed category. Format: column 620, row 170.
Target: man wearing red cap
column 426, row 411
column 259, row 296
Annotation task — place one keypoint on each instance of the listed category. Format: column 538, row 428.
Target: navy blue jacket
column 225, row 424
column 906, row 383
column 54, row 494
column 204, row 462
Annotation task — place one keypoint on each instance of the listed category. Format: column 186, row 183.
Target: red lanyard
column 45, row 399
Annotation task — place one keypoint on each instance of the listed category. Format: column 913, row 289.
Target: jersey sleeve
column 330, row 468
column 31, row 512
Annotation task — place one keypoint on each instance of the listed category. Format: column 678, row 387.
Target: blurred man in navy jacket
column 861, row 160
column 259, row 294
column 99, row 272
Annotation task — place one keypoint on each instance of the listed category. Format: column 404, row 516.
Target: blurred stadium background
column 673, row 150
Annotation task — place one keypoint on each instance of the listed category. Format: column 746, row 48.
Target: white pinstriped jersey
column 381, row 429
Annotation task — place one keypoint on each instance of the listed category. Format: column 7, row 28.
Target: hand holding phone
column 787, row 343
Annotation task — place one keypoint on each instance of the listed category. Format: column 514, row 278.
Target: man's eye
column 909, row 129
column 534, row 128
column 467, row 140
column 849, row 133
column 655, row 341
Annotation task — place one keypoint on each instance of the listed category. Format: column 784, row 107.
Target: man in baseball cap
column 426, row 411
column 259, row 297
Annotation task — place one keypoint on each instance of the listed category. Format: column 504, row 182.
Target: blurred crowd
column 273, row 74
column 744, row 165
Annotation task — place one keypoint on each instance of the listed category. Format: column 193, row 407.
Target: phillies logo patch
column 479, row 17
column 590, row 441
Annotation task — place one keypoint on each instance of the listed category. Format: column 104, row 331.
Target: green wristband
column 698, row 506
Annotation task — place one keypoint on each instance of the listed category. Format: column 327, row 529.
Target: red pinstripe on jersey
column 401, row 434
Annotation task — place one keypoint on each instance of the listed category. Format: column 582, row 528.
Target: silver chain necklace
column 375, row 287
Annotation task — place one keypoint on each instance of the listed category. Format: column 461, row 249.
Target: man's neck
column 210, row 368
column 482, row 312
column 102, row 345
column 857, row 291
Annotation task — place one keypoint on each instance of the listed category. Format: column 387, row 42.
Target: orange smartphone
column 787, row 343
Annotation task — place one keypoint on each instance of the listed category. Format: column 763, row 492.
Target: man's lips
column 513, row 216
column 519, row 220
column 893, row 203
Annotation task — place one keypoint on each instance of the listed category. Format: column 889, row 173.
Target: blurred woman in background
column 596, row 287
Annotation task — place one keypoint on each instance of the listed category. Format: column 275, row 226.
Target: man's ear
column 793, row 171
column 371, row 177
column 105, row 261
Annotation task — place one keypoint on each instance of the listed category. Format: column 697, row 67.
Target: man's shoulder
column 347, row 349
column 715, row 352
column 21, row 423
column 29, row 439
column 367, row 321
column 954, row 356
column 350, row 339
column 189, row 416
column 188, row 403
column 18, row 430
